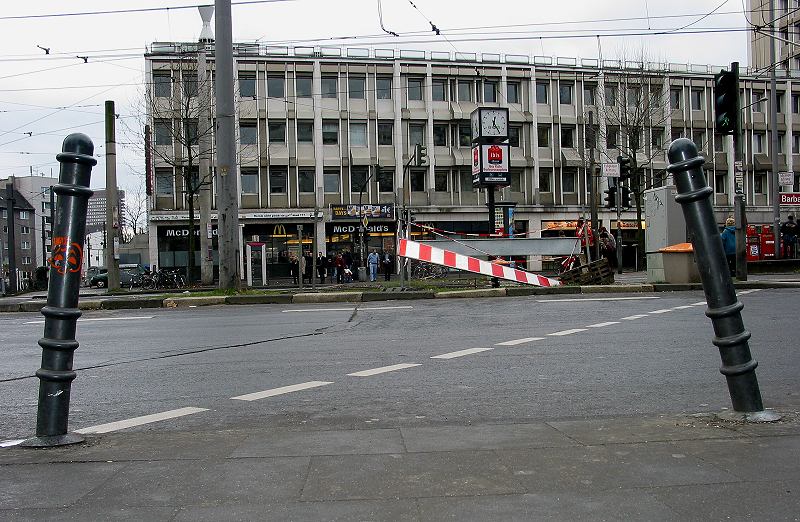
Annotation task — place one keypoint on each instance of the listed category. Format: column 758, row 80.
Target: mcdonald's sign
column 279, row 231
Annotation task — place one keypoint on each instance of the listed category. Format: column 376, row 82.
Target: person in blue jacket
column 728, row 236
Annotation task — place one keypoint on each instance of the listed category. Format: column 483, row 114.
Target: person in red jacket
column 584, row 231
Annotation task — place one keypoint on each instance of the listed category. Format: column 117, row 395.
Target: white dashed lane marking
column 280, row 391
column 632, row 317
column 578, row 299
column 382, row 369
column 98, row 319
column 600, row 325
column 519, row 341
column 662, row 311
column 367, row 309
column 567, row 332
column 460, row 353
column 684, row 307
column 139, row 421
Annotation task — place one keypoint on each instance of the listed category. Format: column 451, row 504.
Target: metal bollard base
column 52, row 441
column 754, row 417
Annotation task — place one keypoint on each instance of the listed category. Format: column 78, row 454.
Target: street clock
column 489, row 124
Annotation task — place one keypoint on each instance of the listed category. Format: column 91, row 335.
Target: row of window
column 22, row 214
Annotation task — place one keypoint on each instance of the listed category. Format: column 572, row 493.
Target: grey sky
column 33, row 86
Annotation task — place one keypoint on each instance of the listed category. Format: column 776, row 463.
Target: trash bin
column 679, row 264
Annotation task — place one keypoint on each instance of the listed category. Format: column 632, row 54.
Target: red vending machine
column 767, row 243
column 753, row 249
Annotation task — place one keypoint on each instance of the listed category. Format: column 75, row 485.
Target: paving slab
column 53, row 486
column 106, row 513
column 504, row 436
column 341, row 511
column 333, row 442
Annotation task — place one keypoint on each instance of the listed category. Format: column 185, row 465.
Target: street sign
column 790, row 198
column 786, row 178
column 611, row 170
column 738, row 177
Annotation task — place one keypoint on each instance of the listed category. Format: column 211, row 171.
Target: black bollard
column 61, row 313
column 724, row 308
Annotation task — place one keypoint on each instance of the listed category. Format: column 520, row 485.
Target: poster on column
column 490, row 165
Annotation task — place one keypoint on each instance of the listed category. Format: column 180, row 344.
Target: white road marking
column 632, row 317
column 684, row 307
column 369, row 309
column 138, row 421
column 382, row 369
column 600, row 325
column 662, row 311
column 745, row 292
column 280, row 391
column 568, row 332
column 699, row 303
column 460, row 353
column 576, row 299
column 519, row 341
column 94, row 319
column 9, row 443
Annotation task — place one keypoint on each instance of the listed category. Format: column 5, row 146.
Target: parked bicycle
column 163, row 279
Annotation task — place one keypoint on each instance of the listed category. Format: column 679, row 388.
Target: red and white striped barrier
column 438, row 256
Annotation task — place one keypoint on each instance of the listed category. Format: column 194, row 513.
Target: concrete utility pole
column 227, row 193
column 593, row 190
column 12, row 240
column 204, row 145
column 740, row 216
column 773, row 131
column 112, row 199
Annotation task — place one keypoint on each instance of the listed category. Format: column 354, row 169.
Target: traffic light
column 625, row 197
column 726, row 101
column 624, row 167
column 611, row 194
column 420, row 155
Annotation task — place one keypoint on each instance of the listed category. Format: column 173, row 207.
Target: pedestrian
column 388, row 265
column 789, row 231
column 608, row 247
column 293, row 267
column 301, row 268
column 373, row 259
column 331, row 267
column 728, row 237
column 308, row 273
column 322, row 266
column 340, row 266
column 584, row 232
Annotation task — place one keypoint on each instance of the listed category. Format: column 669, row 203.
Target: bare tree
column 135, row 219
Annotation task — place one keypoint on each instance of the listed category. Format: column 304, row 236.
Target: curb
column 329, row 297
column 486, row 292
column 615, row 289
column 395, row 296
column 258, row 299
column 185, row 302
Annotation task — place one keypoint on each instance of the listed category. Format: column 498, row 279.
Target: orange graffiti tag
column 66, row 256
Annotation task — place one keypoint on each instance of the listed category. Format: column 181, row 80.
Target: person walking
column 322, row 265
column 608, row 247
column 331, row 267
column 789, row 231
column 728, row 237
column 340, row 266
column 388, row 265
column 293, row 268
column 372, row 261
column 308, row 272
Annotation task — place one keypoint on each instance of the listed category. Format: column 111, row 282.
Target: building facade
column 315, row 126
column 96, row 211
column 786, row 38
column 24, row 248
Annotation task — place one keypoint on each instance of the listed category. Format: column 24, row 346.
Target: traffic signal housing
column 420, row 155
column 611, row 194
column 726, row 101
column 625, row 197
column 624, row 167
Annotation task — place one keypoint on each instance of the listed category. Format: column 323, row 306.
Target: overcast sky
column 45, row 97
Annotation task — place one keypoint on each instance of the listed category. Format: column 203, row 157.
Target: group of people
column 341, row 267
column 789, row 231
column 608, row 245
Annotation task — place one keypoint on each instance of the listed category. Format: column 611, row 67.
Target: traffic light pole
column 619, row 227
column 739, row 214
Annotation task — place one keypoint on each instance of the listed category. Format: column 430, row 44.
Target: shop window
column 277, row 131
column 415, row 89
column 305, row 131
column 330, row 181
column 440, row 134
column 385, row 133
column 358, row 134
column 358, row 178
column 247, row 85
column 330, row 86
column 545, row 179
column 276, row 86
column 277, row 180
column 541, row 92
column 512, row 92
column 162, row 85
column 330, row 132
column 417, row 180
column 439, row 90
column 249, row 181
column 384, row 87
column 543, row 133
column 165, row 185
column 304, row 86
column 356, row 86
column 440, row 181
column 305, row 180
column 386, row 180
column 248, row 133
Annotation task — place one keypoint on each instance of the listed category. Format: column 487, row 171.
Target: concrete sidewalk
column 669, row 467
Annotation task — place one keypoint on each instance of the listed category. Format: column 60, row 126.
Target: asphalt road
column 560, row 360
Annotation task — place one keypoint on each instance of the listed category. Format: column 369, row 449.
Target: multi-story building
column 24, row 235
column 315, row 125
column 786, row 38
column 36, row 190
column 96, row 212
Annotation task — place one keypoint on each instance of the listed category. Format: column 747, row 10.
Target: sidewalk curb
column 329, row 297
column 184, row 302
column 484, row 292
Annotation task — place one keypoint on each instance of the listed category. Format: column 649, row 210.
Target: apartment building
column 316, row 125
column 786, row 38
column 25, row 234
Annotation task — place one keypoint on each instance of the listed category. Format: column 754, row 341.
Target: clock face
column 494, row 123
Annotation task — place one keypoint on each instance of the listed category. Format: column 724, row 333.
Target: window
column 249, row 179
column 386, row 180
column 658, row 138
column 720, row 183
column 417, row 180
column 330, row 133
column 464, row 136
column 779, row 101
column 330, row 180
column 516, row 180
column 190, row 130
column 358, row 178
column 189, row 86
column 676, row 133
column 697, row 99
column 759, row 139
column 543, row 133
column 276, row 87
column 415, row 88
column 26, row 245
column 247, row 85
column 568, row 137
column 541, row 92
column 416, row 134
column 440, row 181
column 795, row 143
column 589, row 94
column 565, row 93
column 489, row 91
column 164, row 182
column 514, row 133
column 675, row 98
column 385, row 132
column 634, row 96
column 305, row 180
column 760, row 183
column 758, row 99
column 358, row 134
column 162, row 85
column 25, row 230
column 610, row 94
column 163, row 132
column 464, row 90
column 465, row 178
column 277, row 131
column 248, row 133
column 330, row 86
column 384, row 87
column 545, row 179
column 440, row 135
column 568, row 177
column 699, row 138
column 612, row 137
column 305, row 131
column 590, row 135
column 26, row 260
column 356, row 86
column 512, row 92
column 439, row 90
column 781, row 139
column 304, row 86
column 795, row 103
column 277, row 180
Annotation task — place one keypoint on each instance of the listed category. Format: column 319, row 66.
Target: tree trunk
column 192, row 242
